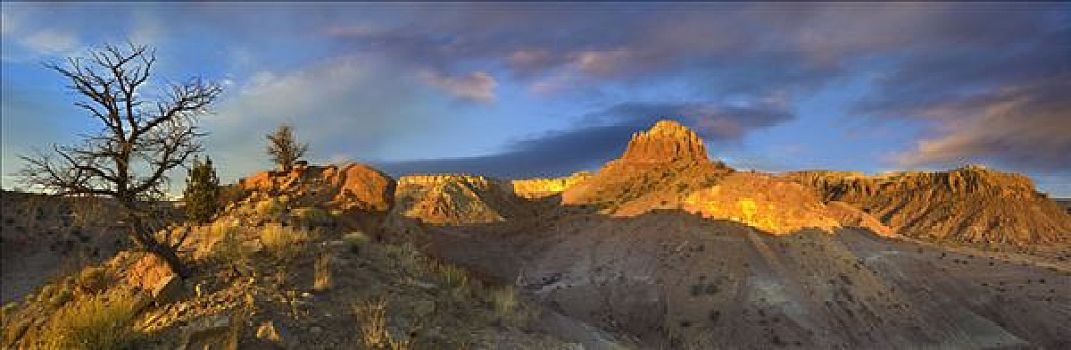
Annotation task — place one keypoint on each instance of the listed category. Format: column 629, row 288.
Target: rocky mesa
column 969, row 204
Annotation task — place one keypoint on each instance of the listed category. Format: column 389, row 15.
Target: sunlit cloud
column 477, row 86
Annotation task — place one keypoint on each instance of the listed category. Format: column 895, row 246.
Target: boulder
column 152, row 275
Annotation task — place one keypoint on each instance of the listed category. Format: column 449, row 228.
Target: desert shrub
column 93, row 280
column 102, row 321
column 356, row 240
column 372, row 323
column 62, row 295
column 202, row 192
column 270, row 208
column 46, row 292
column 228, row 245
column 283, row 242
column 312, row 216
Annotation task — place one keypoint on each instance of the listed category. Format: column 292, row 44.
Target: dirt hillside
column 298, row 264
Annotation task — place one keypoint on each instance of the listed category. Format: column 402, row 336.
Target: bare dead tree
column 143, row 137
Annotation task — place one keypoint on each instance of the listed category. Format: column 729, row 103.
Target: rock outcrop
column 969, row 204
column 148, row 273
column 544, row 187
column 774, row 205
column 657, row 169
column 667, row 141
column 453, row 199
column 349, row 186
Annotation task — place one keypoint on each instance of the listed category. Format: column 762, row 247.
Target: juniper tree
column 143, row 136
column 202, row 192
column 284, row 148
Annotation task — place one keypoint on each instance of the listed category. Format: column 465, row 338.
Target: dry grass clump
column 102, row 321
column 283, row 242
column 508, row 305
column 322, row 277
column 452, row 277
column 406, row 257
column 410, row 259
column 372, row 323
column 505, row 301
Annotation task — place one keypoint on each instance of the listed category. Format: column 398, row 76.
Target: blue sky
column 546, row 89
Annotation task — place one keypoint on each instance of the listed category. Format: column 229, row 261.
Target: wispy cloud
column 51, row 42
column 477, row 87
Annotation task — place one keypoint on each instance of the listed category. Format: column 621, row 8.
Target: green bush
column 202, row 195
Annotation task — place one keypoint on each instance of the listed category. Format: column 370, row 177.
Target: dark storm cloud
column 602, row 136
column 553, row 154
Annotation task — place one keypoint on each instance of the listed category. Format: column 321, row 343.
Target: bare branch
column 150, row 141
